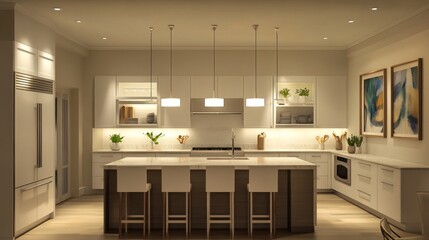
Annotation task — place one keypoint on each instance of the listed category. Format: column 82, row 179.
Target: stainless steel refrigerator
column 34, row 151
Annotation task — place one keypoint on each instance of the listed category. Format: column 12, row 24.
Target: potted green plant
column 351, row 141
column 358, row 143
column 285, row 92
column 115, row 139
column 303, row 94
column 154, row 138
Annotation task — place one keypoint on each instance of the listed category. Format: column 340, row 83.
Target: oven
column 342, row 168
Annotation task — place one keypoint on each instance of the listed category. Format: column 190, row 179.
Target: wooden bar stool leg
column 120, row 215
column 144, row 214
column 167, row 212
column 274, row 214
column 186, row 214
column 148, row 213
column 164, row 214
column 208, row 215
column 231, row 214
column 251, row 214
column 271, row 214
column 190, row 212
column 126, row 212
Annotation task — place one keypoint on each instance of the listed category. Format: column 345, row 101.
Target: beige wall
column 369, row 59
column 199, row 62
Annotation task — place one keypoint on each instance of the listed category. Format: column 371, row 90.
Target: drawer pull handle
column 362, row 176
column 35, row 186
column 387, row 170
column 364, row 192
column 318, row 156
column 106, row 155
column 365, row 164
column 387, row 183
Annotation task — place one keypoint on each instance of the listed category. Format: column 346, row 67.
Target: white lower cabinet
column 364, row 178
column 261, row 154
column 98, row 162
column 323, row 174
column 33, row 202
column 389, row 192
column 300, row 155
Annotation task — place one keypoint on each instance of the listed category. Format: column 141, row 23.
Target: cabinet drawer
column 367, row 198
column 293, row 154
column 365, row 168
column 365, row 182
column 316, row 157
column 388, row 175
column 322, row 182
column 322, row 169
column 25, row 208
column 97, row 182
column 106, row 157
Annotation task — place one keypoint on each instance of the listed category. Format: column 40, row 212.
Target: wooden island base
column 295, row 202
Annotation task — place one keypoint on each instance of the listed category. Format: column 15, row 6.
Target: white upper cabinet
column 105, row 102
column 331, row 110
column 176, row 116
column 136, row 87
column 30, row 61
column 201, row 86
column 258, row 117
column 46, row 65
column 25, row 59
column 230, row 86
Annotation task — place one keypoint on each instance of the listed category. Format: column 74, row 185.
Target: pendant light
column 255, row 102
column 276, row 29
column 170, row 101
column 214, row 101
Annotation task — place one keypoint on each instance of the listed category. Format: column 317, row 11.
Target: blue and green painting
column 405, row 102
column 373, row 105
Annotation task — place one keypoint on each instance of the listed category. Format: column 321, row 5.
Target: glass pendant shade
column 170, row 102
column 255, row 102
column 214, row 102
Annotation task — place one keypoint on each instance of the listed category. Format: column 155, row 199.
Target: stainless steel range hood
column 231, row 106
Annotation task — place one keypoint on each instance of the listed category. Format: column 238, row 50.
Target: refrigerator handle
column 39, row 136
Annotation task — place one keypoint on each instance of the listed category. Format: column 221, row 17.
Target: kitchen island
column 295, row 202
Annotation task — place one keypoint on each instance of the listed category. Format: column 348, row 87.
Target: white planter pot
column 115, row 146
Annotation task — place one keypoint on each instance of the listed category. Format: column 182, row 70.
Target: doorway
column 62, row 169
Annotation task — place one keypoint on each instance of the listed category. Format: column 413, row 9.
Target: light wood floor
column 82, row 219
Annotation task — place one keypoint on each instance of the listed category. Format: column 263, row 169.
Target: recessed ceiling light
column 104, row 38
column 351, row 21
column 374, row 8
column 57, row 9
column 78, row 21
column 325, row 38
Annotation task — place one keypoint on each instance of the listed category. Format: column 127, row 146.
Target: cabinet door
column 135, row 86
column 45, row 199
column 331, row 110
column 25, row 59
column 389, row 192
column 98, row 162
column 364, row 177
column 25, row 137
column 178, row 116
column 25, row 207
column 48, row 136
column 230, row 86
column 105, row 102
column 46, row 65
column 201, row 86
column 259, row 117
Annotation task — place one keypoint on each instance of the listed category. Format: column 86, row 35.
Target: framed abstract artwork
column 373, row 103
column 406, row 101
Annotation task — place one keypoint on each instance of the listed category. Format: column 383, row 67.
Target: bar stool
column 133, row 179
column 220, row 179
column 176, row 179
column 262, row 179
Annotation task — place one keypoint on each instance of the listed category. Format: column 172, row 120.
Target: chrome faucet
column 232, row 143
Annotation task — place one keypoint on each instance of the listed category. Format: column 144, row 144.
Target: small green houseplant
column 303, row 94
column 353, row 141
column 285, row 92
column 154, row 137
column 115, row 139
column 358, row 144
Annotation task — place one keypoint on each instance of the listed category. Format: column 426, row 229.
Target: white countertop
column 388, row 162
column 189, row 150
column 202, row 162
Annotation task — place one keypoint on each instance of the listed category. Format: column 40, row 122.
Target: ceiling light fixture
column 351, row 21
column 325, row 38
column 57, row 9
column 214, row 101
column 171, row 102
column 78, row 21
column 374, row 8
column 104, row 38
column 255, row 102
column 276, row 29
column 150, row 62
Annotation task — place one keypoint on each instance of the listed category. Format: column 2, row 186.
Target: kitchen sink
column 227, row 158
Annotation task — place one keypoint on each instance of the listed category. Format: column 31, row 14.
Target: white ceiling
column 303, row 23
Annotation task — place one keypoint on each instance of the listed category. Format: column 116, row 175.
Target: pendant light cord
column 256, row 59
column 277, row 58
column 151, row 70
column 171, row 59
column 214, row 59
